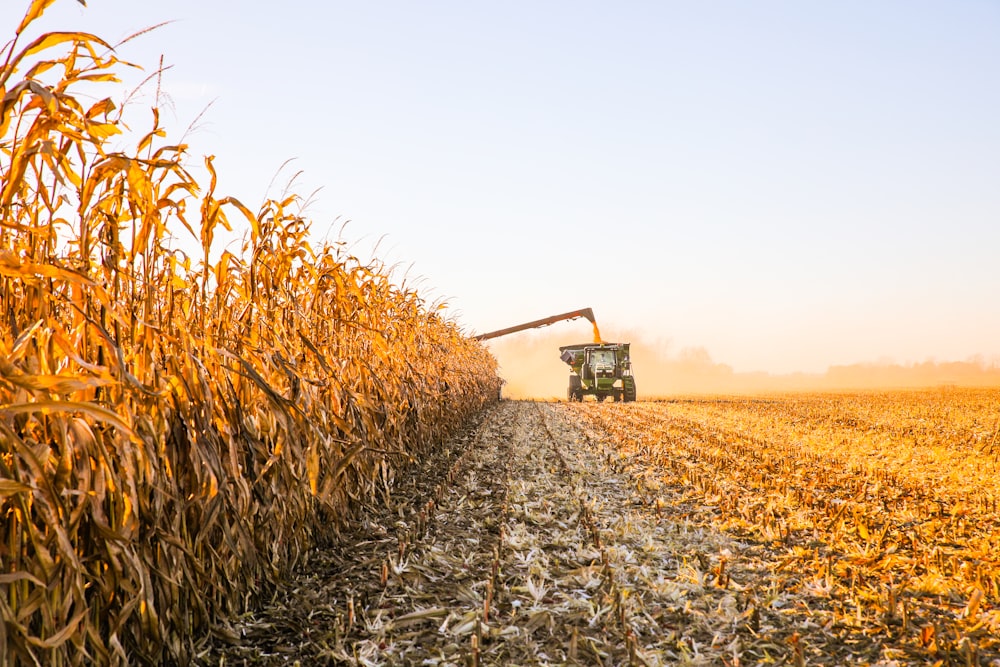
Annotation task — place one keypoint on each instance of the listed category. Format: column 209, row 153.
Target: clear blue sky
column 788, row 184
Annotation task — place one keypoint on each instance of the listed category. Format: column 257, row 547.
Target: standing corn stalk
column 176, row 433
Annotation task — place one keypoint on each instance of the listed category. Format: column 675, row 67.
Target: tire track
column 527, row 542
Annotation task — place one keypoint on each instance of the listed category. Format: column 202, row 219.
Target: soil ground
column 531, row 540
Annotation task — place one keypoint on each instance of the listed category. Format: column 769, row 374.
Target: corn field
column 177, row 430
column 877, row 511
column 283, row 454
column 792, row 529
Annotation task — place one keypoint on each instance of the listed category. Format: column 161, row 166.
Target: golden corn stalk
column 176, row 432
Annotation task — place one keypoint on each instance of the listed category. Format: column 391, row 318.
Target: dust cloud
column 530, row 365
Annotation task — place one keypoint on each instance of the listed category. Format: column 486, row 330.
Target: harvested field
column 736, row 532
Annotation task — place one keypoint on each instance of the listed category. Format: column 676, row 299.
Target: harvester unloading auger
column 600, row 369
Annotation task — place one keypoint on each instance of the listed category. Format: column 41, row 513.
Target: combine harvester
column 600, row 369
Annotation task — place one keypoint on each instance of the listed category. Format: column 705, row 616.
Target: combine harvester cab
column 602, row 370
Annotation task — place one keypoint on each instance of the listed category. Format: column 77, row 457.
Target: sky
column 785, row 185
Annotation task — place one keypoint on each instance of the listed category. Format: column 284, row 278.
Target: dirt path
column 527, row 541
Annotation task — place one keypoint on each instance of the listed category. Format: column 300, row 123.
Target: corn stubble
column 176, row 432
column 876, row 512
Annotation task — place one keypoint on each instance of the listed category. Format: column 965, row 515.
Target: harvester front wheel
column 628, row 393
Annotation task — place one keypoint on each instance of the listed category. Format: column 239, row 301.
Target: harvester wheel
column 575, row 391
column 629, row 394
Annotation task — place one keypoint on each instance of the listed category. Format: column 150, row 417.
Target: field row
column 880, row 510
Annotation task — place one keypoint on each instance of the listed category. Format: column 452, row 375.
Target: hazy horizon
column 530, row 365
